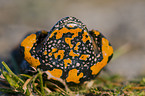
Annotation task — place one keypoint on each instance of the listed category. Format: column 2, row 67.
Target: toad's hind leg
column 30, row 45
column 103, row 50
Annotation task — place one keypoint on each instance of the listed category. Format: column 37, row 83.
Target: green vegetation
column 24, row 84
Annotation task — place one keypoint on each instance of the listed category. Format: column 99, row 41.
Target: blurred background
column 121, row 21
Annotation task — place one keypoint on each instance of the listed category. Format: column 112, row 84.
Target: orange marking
column 76, row 47
column 53, row 50
column 65, row 30
column 106, row 51
column 68, row 41
column 27, row 43
column 45, row 52
column 70, row 26
column 66, row 61
column 56, row 73
column 96, row 32
column 71, row 53
column 85, row 39
column 75, row 32
column 84, row 57
column 61, row 53
column 73, row 77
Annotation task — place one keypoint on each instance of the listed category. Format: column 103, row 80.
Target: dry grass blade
column 59, row 79
column 58, row 88
column 47, row 89
column 25, row 84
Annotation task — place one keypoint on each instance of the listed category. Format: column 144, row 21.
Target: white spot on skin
column 51, row 66
column 59, row 41
column 38, row 58
column 82, row 68
column 78, row 71
column 43, row 61
column 61, row 64
column 46, row 57
column 73, row 66
column 98, row 55
column 53, row 63
column 98, row 48
column 91, row 47
column 57, row 65
column 85, row 65
column 57, row 26
column 84, row 76
column 78, row 64
column 35, row 44
column 47, row 64
column 95, row 59
column 47, row 39
column 88, row 51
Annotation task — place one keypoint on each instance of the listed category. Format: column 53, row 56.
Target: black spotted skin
column 68, row 51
